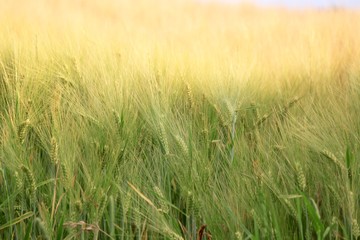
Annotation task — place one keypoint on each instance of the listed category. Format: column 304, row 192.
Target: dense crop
column 125, row 120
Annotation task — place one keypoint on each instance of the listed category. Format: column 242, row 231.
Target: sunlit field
column 178, row 120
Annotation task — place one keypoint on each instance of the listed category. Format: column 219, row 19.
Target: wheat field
column 154, row 119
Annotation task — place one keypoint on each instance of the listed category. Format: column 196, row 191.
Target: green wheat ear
column 333, row 158
column 256, row 217
column 181, row 143
column 1, row 176
column 352, row 206
column 223, row 120
column 261, row 120
column 19, row 181
column 42, row 228
column 126, row 202
column 54, row 151
column 29, row 182
column 137, row 216
column 336, row 195
column 65, row 171
column 161, row 200
column 163, row 138
column 355, row 228
column 172, row 235
column 112, row 212
column 301, row 180
column 102, row 206
column 291, row 208
column 238, row 235
column 193, row 204
column 23, row 129
column 78, row 206
column 231, row 111
column 190, row 95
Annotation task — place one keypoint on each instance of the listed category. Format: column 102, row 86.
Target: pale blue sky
column 300, row 3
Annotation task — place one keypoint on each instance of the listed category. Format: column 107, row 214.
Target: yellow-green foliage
column 178, row 120
column 242, row 43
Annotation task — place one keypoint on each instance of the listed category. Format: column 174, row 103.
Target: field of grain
column 154, row 119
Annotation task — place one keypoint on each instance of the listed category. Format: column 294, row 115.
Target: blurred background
column 298, row 37
column 296, row 3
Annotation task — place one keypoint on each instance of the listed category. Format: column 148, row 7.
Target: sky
column 300, row 3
